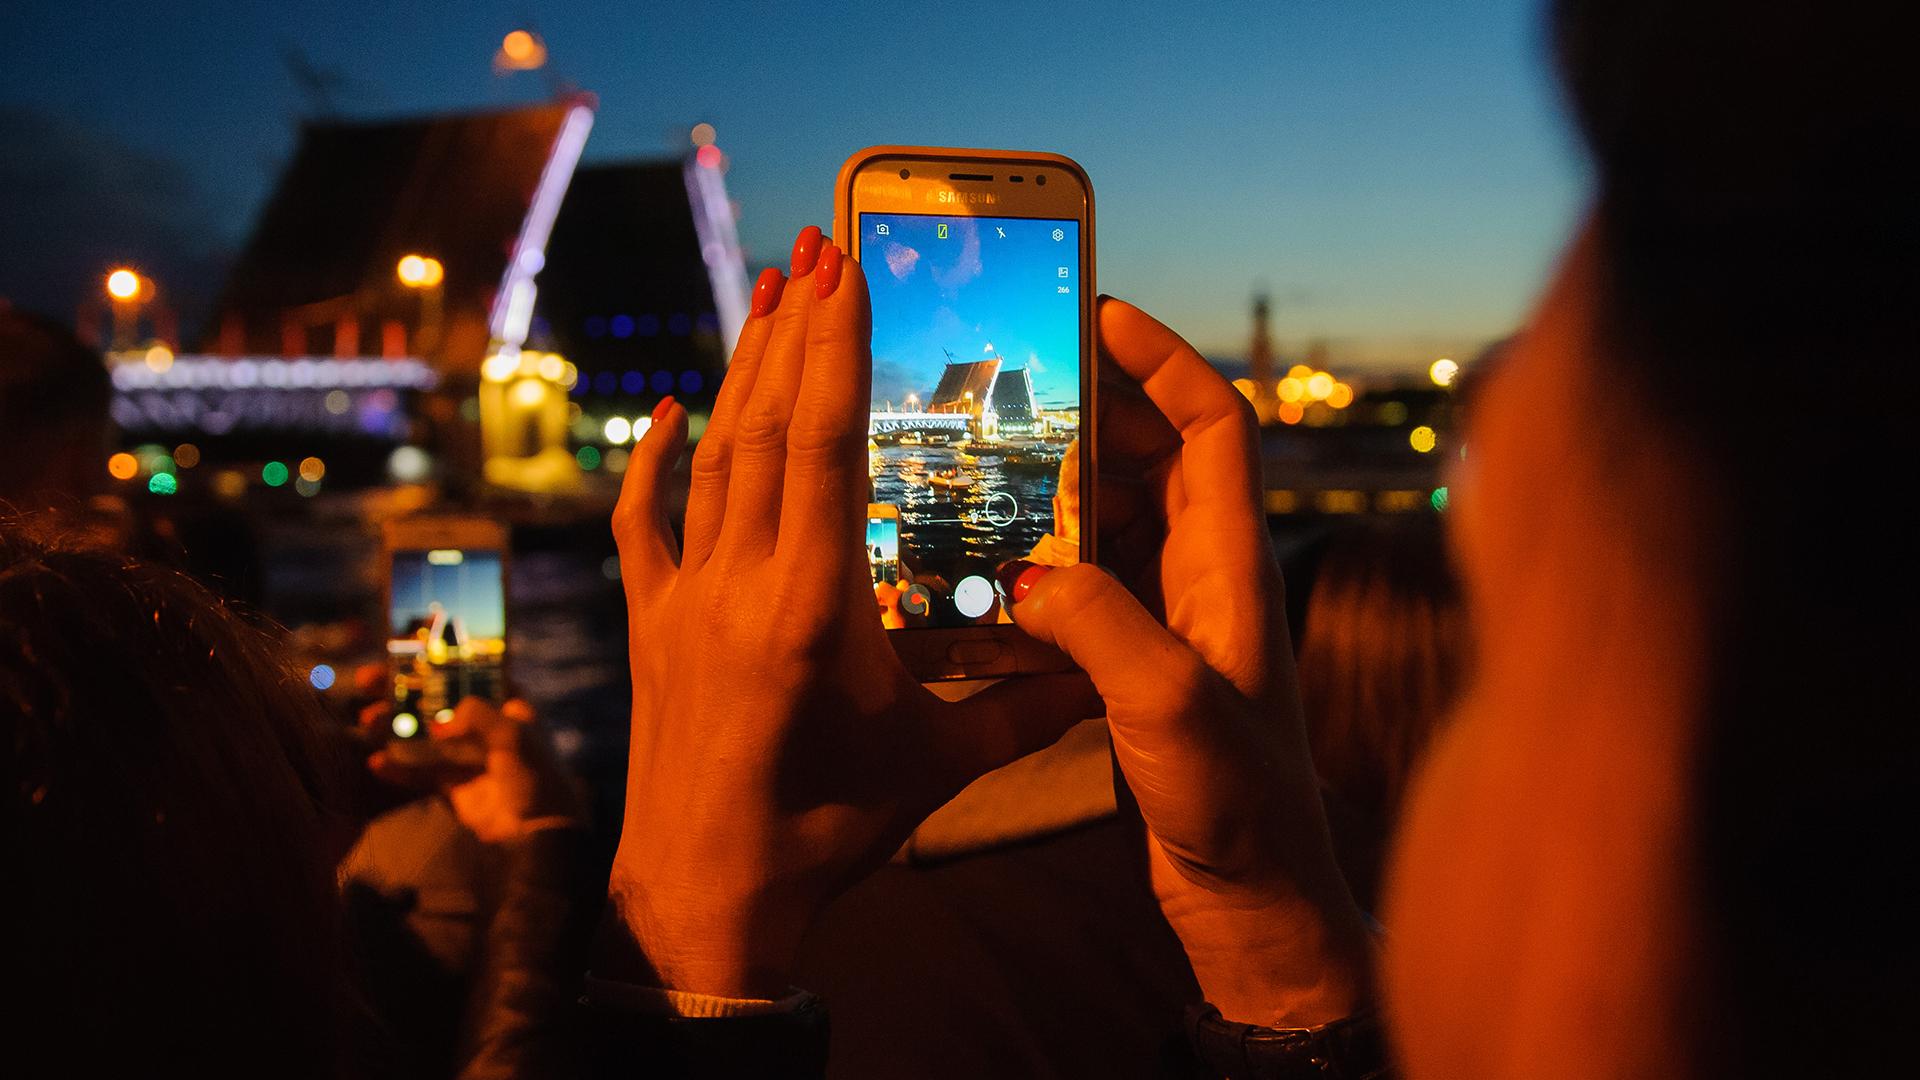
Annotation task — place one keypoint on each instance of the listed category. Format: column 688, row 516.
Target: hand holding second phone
column 508, row 786
column 780, row 751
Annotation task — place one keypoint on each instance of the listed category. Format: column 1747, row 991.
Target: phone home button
column 974, row 653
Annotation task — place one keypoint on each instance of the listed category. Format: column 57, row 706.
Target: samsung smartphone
column 980, row 264
column 446, row 617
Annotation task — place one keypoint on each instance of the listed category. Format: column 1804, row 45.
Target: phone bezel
column 426, row 532
column 869, row 182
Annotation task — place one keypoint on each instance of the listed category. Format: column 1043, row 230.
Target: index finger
column 1216, row 424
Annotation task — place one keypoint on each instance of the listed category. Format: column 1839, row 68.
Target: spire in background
column 1260, row 353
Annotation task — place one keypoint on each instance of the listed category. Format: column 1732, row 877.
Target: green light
column 161, row 463
column 1439, row 498
column 275, row 473
column 588, row 457
column 161, row 483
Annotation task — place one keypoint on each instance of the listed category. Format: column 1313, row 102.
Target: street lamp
column 424, row 274
column 128, row 290
column 420, row 271
column 123, row 284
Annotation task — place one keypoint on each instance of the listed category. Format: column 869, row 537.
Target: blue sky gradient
column 1397, row 173
column 975, row 294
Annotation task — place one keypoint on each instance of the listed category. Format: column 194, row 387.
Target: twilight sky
column 1396, row 172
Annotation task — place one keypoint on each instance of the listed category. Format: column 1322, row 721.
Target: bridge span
column 894, row 423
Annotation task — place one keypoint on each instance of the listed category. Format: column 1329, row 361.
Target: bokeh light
column 123, row 284
column 1300, row 371
column 321, row 677
column 1422, row 439
column 618, row 430
column 307, row 488
column 406, row 725
column 274, row 473
column 159, row 359
column 1247, row 387
column 1341, row 396
column 186, row 455
column 409, row 464
column 420, row 271
column 162, row 483
column 1442, row 372
column 230, row 483
column 338, row 402
column 521, row 50
column 1439, row 499
column 312, row 468
column 709, row 156
column 123, row 466
column 529, row 392
column 1319, row 385
column 1291, row 412
column 702, row 134
column 588, row 457
column 1290, row 389
column 616, row 460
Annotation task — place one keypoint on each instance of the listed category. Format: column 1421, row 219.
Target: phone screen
column 883, row 549
column 447, row 633
column 975, row 412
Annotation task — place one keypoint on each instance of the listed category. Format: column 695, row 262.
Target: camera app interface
column 976, row 406
column 447, row 633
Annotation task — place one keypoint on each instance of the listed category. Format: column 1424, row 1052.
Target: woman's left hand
column 780, row 751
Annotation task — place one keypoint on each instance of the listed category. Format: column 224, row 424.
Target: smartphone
column 980, row 264
column 883, row 543
column 446, row 617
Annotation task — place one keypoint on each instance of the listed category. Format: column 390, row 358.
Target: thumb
column 1136, row 664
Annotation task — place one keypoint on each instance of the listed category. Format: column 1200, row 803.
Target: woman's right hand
column 1204, row 710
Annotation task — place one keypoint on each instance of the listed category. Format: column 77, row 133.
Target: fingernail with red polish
column 1017, row 578
column 806, row 250
column 766, row 291
column 660, row 410
column 826, row 276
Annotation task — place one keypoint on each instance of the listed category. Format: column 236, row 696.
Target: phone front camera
column 904, row 173
column 1041, row 180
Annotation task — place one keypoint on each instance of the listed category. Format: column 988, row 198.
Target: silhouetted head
column 53, row 413
column 169, row 827
column 1381, row 656
column 1662, row 836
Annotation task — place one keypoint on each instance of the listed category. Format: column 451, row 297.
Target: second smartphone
column 981, row 450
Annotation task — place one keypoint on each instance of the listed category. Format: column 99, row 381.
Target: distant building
column 614, row 284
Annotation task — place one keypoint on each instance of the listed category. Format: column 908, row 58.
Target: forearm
column 527, row 979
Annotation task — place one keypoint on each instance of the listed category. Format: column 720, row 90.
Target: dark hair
column 1381, row 656
column 169, row 799
column 54, row 393
column 1758, row 236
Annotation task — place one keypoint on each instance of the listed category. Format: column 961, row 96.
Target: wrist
column 1277, row 960
column 697, row 940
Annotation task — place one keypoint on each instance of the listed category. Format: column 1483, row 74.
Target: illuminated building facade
column 514, row 294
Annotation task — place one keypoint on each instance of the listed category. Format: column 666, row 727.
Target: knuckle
column 1080, row 586
column 710, row 457
column 762, row 429
column 824, row 443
